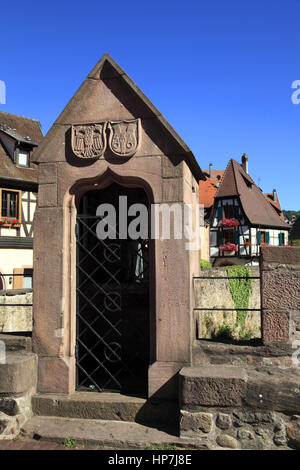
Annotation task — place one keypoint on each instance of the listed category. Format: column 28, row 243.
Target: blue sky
column 220, row 72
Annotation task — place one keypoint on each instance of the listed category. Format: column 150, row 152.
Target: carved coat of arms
column 124, row 137
column 89, row 140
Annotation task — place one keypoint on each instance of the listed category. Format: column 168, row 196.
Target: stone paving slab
column 113, row 434
column 19, row 444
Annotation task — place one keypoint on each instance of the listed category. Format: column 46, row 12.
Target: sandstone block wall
column 280, row 294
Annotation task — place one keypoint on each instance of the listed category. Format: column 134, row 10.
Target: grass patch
column 69, row 443
column 168, row 447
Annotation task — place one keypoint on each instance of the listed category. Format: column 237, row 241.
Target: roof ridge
column 19, row 116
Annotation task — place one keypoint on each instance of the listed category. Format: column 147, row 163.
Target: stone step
column 18, row 373
column 113, row 434
column 106, row 406
column 14, row 342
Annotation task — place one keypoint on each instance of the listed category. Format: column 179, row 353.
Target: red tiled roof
column 209, row 188
column 275, row 204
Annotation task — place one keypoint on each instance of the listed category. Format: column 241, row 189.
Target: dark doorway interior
column 112, row 300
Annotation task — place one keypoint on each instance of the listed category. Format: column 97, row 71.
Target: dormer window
column 23, row 158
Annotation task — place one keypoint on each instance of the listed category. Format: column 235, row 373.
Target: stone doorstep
column 106, row 406
column 114, row 434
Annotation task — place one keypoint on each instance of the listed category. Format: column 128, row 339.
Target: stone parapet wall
column 280, row 294
column 240, row 408
column 14, row 318
column 215, row 293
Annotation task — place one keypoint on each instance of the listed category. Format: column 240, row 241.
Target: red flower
column 229, row 223
column 228, row 247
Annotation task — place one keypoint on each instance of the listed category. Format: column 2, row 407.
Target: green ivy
column 240, row 290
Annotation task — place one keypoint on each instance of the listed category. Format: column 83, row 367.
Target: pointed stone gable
column 108, row 94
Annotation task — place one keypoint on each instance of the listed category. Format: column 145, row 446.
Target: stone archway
column 113, row 296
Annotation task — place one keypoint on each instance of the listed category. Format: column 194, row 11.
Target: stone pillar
column 280, row 294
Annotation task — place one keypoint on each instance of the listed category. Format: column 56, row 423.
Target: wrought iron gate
column 112, row 351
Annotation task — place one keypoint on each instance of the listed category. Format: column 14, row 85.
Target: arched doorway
column 112, row 339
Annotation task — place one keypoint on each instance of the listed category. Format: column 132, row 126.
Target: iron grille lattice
column 112, row 311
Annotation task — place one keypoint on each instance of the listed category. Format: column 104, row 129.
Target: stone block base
column 163, row 379
column 56, row 374
column 212, row 385
column 241, row 429
column 240, row 408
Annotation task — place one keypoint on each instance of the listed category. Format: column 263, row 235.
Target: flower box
column 10, row 222
column 229, row 247
column 229, row 223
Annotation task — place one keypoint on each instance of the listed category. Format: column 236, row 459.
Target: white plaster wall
column 11, row 258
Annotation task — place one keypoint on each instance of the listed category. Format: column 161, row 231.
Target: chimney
column 245, row 163
column 274, row 195
column 210, row 170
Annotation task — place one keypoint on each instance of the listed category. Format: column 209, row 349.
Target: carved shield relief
column 124, row 137
column 89, row 140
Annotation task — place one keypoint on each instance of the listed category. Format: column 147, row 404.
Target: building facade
column 19, row 137
column 242, row 218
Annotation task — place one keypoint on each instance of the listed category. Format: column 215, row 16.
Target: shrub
column 205, row 264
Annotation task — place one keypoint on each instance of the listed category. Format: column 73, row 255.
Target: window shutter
column 259, row 237
column 220, row 212
column 220, row 237
column 236, row 212
column 18, row 280
column 268, row 237
column 280, row 239
column 236, row 237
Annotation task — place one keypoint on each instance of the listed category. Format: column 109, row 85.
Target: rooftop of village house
column 25, row 132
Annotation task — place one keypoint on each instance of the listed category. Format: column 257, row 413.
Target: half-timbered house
column 19, row 137
column 242, row 218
